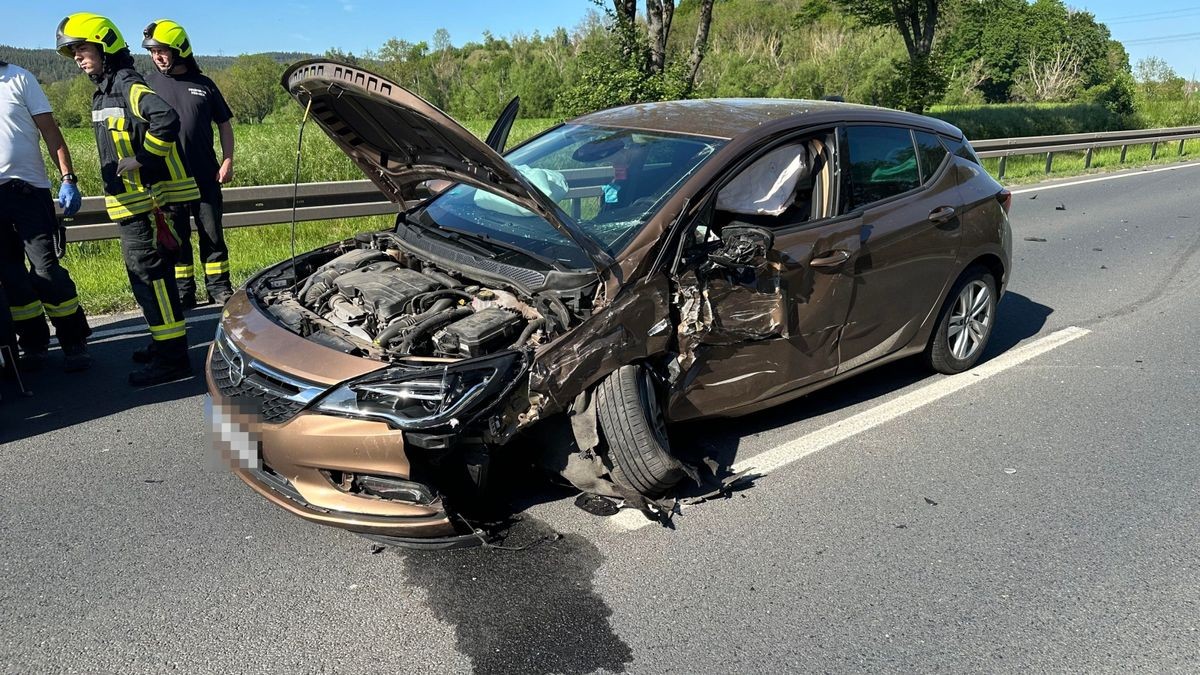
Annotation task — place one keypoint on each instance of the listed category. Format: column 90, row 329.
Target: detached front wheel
column 635, row 428
column 965, row 324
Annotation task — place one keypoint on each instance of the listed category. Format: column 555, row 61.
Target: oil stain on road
column 528, row 611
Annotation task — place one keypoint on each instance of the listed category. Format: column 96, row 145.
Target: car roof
column 732, row 117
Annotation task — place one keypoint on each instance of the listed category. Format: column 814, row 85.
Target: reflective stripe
column 136, row 92
column 216, row 268
column 108, row 113
column 184, row 271
column 168, row 331
column 164, row 302
column 26, row 312
column 175, row 164
column 156, row 146
column 63, row 310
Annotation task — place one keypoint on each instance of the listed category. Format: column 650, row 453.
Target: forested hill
column 49, row 66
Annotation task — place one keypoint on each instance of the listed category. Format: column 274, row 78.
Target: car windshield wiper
column 458, row 238
column 504, row 245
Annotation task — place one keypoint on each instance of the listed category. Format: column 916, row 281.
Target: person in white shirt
column 29, row 228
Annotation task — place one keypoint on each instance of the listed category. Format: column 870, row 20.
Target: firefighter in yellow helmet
column 176, row 77
column 144, row 172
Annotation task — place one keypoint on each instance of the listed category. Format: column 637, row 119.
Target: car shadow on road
column 718, row 442
column 60, row 400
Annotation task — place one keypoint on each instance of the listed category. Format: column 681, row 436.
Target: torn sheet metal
column 756, row 320
column 625, row 332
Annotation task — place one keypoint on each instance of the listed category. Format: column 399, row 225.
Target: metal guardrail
column 269, row 204
column 265, row 205
column 1087, row 143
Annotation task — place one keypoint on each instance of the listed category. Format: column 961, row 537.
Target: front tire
column 965, row 323
column 635, row 428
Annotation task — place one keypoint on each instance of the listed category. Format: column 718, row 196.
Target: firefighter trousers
column 214, row 254
column 29, row 234
column 146, row 245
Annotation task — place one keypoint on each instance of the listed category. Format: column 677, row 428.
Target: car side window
column 931, row 153
column 883, row 163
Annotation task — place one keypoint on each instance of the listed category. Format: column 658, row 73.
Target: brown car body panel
column 301, row 448
column 264, row 340
column 732, row 342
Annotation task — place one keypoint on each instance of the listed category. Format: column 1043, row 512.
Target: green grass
column 265, row 154
column 1031, row 168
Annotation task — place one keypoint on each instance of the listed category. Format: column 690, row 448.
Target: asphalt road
column 1043, row 519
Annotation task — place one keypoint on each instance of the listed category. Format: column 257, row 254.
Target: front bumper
column 287, row 454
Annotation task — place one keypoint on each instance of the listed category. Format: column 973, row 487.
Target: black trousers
column 28, row 228
column 149, row 262
column 214, row 253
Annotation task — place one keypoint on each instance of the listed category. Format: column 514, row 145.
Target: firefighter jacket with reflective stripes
column 130, row 120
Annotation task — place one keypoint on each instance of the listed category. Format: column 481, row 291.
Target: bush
column 1031, row 119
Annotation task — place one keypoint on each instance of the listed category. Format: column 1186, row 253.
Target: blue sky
column 1166, row 28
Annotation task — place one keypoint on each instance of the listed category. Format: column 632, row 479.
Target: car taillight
column 1005, row 199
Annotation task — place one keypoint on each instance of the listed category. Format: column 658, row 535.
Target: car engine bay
column 372, row 297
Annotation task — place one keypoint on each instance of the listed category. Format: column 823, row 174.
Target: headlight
column 425, row 397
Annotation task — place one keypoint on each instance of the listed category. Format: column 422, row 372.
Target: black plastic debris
column 1097, row 249
column 376, row 549
column 1060, row 207
column 597, row 505
column 1034, row 196
column 930, row 502
column 1041, row 239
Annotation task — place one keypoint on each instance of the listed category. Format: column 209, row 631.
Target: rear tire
column 965, row 323
column 635, row 428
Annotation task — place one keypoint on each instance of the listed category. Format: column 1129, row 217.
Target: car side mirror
column 743, row 246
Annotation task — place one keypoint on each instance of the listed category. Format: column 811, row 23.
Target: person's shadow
column 61, row 400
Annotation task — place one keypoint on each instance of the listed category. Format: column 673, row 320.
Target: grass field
column 265, row 155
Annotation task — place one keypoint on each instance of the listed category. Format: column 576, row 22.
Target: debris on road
column 1060, row 207
column 1009, row 470
column 597, row 505
column 930, row 502
column 1097, row 249
column 1041, row 239
column 1034, row 196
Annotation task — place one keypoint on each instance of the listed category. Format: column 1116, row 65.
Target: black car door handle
column 831, row 259
column 941, row 214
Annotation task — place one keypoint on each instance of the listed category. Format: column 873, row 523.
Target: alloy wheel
column 970, row 320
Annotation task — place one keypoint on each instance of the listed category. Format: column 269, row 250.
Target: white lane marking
column 1097, row 180
column 782, row 455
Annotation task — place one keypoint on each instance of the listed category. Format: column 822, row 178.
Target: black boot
column 144, row 354
column 76, row 358
column 170, row 362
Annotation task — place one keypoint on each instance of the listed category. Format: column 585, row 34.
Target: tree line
column 897, row 53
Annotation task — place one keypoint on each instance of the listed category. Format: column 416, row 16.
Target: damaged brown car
column 625, row 271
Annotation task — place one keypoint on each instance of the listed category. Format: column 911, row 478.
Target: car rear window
column 883, row 163
column 931, row 154
column 961, row 148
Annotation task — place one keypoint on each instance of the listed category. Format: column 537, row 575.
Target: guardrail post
column 1181, row 141
column 1003, row 164
column 1049, row 161
column 1087, row 159
column 1153, row 150
column 1123, row 149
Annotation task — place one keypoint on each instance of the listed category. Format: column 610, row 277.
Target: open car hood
column 400, row 140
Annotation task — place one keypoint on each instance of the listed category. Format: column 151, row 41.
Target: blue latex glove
column 69, row 198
